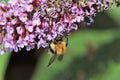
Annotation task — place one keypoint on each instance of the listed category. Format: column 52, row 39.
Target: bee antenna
column 66, row 41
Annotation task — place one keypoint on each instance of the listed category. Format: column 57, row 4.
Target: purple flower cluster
column 32, row 23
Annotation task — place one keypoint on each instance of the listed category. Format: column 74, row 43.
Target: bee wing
column 60, row 57
column 52, row 59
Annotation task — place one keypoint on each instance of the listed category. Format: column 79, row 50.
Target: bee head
column 58, row 39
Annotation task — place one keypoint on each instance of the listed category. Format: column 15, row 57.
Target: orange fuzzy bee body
column 57, row 47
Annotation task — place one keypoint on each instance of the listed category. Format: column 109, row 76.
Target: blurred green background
column 93, row 53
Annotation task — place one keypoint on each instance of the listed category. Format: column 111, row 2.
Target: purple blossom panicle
column 33, row 23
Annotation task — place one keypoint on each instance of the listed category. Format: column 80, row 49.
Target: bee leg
column 60, row 57
column 66, row 41
column 52, row 59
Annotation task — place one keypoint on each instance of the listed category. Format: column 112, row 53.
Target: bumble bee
column 57, row 47
column 51, row 12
